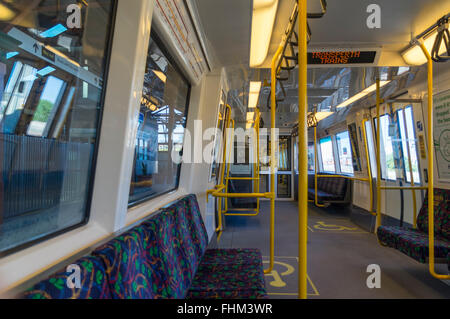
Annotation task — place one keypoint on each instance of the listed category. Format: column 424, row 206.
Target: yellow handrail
column 302, row 149
column 431, row 167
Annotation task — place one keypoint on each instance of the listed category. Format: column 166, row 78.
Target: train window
column 311, row 164
column 50, row 110
column 162, row 123
column 284, row 157
column 344, row 152
column 371, row 148
column 326, row 151
column 387, row 149
column 407, row 134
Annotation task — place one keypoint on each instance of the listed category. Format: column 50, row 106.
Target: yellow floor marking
column 277, row 277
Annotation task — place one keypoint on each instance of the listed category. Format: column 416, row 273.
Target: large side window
column 51, row 97
column 409, row 143
column 326, row 151
column 162, row 123
column 345, row 152
column 311, row 162
column 371, row 148
column 387, row 148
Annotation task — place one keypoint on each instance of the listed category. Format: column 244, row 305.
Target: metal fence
column 39, row 173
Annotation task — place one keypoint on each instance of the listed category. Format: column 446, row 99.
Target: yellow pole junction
column 218, row 191
column 431, row 168
column 302, row 149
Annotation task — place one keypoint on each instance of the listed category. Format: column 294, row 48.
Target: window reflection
column 51, row 87
column 162, row 122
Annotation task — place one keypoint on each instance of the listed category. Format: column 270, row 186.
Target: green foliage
column 43, row 111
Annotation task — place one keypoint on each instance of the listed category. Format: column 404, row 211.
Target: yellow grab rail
column 302, row 149
column 431, row 168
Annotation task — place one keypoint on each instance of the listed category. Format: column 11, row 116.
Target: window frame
column 90, row 186
column 163, row 48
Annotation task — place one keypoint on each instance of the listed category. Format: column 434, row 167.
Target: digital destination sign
column 342, row 57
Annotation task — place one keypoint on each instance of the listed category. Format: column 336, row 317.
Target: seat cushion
column 232, row 256
column 415, row 245
column 228, row 281
column 94, row 284
column 389, row 235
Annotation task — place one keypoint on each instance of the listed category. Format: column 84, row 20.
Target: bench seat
column 414, row 242
column 166, row 257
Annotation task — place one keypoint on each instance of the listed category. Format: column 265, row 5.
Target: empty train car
column 224, row 149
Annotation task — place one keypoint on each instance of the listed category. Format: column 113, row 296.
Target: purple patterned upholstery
column 94, row 284
column 414, row 243
column 163, row 257
column 228, row 281
column 130, row 266
column 232, row 256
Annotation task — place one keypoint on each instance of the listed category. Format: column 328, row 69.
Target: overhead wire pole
column 302, row 150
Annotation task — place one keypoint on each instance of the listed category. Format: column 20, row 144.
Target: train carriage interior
column 224, row 149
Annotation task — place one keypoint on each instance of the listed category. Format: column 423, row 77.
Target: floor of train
column 339, row 253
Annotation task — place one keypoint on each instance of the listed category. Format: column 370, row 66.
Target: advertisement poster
column 441, row 104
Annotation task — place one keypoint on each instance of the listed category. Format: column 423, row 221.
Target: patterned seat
column 163, row 257
column 228, row 281
column 132, row 268
column 232, row 256
column 94, row 284
column 329, row 189
column 414, row 243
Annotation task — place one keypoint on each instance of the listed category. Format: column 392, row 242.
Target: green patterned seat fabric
column 94, row 284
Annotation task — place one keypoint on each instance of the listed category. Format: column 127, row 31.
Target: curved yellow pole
column 224, row 166
column 302, row 150
column 431, row 167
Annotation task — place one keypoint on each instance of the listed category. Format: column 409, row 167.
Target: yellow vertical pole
column 413, row 192
column 369, row 169
column 302, row 150
column 224, row 165
column 273, row 103
column 431, row 168
column 228, row 168
column 378, row 220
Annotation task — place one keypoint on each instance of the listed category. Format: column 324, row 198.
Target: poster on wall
column 441, row 125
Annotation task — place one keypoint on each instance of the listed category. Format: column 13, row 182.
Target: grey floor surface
column 339, row 253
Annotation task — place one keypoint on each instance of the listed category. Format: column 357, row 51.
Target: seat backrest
column 133, row 270
column 441, row 213
column 175, row 262
column 94, row 283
